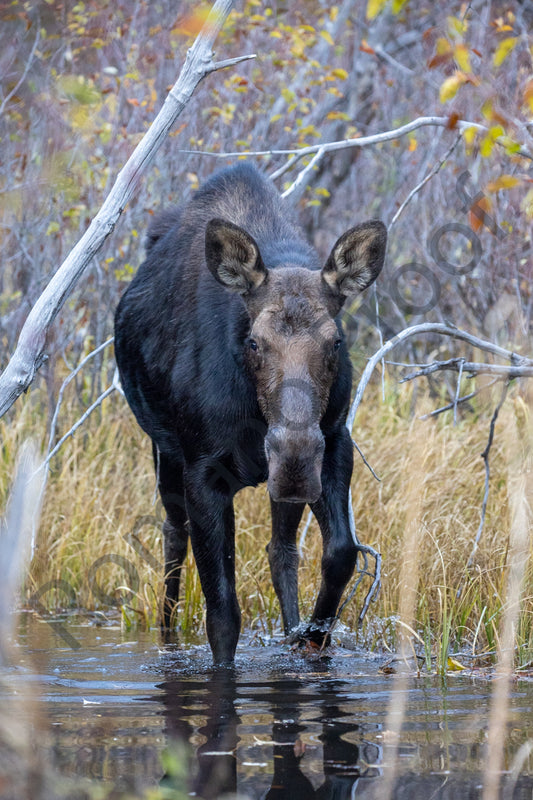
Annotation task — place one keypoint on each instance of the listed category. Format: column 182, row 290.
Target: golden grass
column 101, row 490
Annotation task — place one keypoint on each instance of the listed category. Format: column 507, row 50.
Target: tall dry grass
column 100, row 501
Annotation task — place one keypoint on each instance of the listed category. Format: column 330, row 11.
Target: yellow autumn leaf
column 487, row 143
column 53, row 228
column 503, row 182
column 413, row 144
column 327, row 36
column 397, row 5
column 510, row 145
column 338, row 115
column 505, row 47
column 462, row 57
column 451, row 86
column 453, row 665
column 442, row 46
column 375, row 7
column 469, row 135
column 457, row 26
column 339, row 73
column 527, row 204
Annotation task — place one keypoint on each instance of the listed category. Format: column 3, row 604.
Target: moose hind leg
column 210, row 508
column 175, row 530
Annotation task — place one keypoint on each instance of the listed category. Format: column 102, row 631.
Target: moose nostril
column 273, row 441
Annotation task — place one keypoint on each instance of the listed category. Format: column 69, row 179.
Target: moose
column 232, row 358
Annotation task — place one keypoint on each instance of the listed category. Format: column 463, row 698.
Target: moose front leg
column 283, row 559
column 210, row 511
column 339, row 552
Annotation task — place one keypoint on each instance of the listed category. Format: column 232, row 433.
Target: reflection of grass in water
column 27, row 767
column 102, row 485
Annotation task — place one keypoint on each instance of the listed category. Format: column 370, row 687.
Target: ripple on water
column 276, row 725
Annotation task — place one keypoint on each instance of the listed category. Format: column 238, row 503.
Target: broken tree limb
column 358, row 141
column 520, row 366
column 503, row 371
column 29, row 354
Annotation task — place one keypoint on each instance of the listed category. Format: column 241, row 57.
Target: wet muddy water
column 279, row 725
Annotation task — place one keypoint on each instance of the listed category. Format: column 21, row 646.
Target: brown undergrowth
column 100, row 526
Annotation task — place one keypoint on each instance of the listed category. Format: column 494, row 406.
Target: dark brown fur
column 242, row 379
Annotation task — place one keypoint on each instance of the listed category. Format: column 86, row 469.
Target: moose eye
column 253, row 345
column 337, row 344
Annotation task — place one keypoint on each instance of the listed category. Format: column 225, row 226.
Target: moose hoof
column 168, row 635
column 309, row 640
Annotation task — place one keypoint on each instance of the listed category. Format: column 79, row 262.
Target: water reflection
column 277, row 726
column 278, row 711
column 215, row 770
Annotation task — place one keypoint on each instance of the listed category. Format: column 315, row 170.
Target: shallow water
column 278, row 725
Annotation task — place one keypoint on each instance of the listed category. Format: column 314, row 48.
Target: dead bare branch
column 53, row 427
column 503, row 371
column 485, row 456
column 365, row 462
column 360, row 141
column 30, row 351
column 300, row 183
column 516, row 360
column 434, row 170
column 457, row 392
column 87, row 413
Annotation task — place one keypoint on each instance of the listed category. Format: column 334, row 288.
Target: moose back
column 233, row 362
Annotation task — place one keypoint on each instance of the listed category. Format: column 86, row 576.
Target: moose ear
column 233, row 257
column 356, row 260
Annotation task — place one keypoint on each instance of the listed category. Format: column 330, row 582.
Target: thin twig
column 425, row 180
column 66, row 382
column 299, row 184
column 380, row 334
column 365, row 462
column 485, row 457
column 53, row 427
column 457, row 391
column 87, row 413
column 381, row 53
column 285, row 168
column 304, row 533
column 228, row 62
column 22, row 78
column 371, row 594
column 463, row 399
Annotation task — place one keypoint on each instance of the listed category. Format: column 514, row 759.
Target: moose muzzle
column 294, row 464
